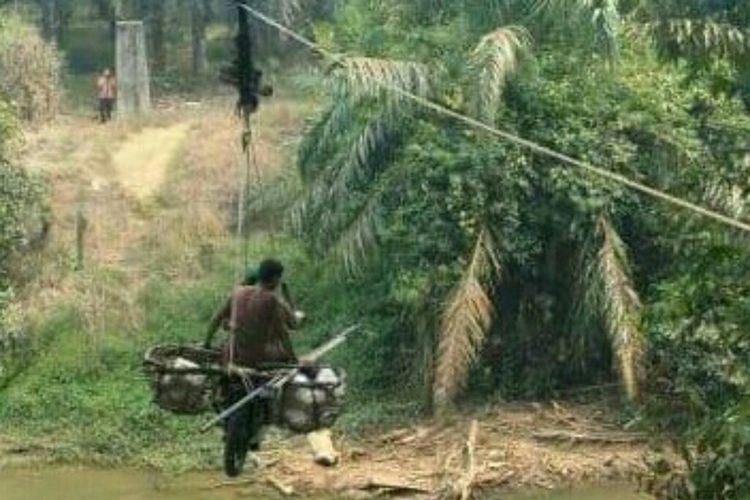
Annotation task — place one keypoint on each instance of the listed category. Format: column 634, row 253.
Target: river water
column 94, row 484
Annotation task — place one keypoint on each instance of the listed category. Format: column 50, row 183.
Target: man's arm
column 221, row 315
column 288, row 318
column 286, row 323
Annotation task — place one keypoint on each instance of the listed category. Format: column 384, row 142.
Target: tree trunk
column 115, row 14
column 198, row 21
column 154, row 12
column 63, row 13
column 49, row 10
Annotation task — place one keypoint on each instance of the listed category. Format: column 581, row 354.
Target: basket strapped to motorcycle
column 281, row 379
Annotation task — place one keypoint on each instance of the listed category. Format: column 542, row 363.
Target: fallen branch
column 582, row 437
column 282, row 488
column 392, row 485
column 465, row 484
column 384, row 489
column 231, row 484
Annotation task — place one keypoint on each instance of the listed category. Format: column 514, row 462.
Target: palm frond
column 359, row 159
column 494, row 60
column 611, row 293
column 602, row 16
column 367, row 76
column 730, row 198
column 704, row 38
column 358, row 241
column 322, row 137
column 289, row 10
column 466, row 321
column 369, row 151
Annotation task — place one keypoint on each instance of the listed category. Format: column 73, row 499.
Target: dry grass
column 29, row 71
column 155, row 194
column 141, row 162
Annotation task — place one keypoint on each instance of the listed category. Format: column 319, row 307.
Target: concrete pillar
column 133, row 93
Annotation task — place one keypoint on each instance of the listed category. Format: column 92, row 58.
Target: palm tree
column 701, row 33
column 350, row 157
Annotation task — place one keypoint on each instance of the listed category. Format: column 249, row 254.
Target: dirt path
column 141, row 162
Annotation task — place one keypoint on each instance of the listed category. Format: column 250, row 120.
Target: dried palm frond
column 494, row 60
column 611, row 293
column 700, row 38
column 466, row 321
column 288, row 10
column 367, row 76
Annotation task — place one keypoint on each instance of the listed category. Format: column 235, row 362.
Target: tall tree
column 199, row 19
column 56, row 15
column 154, row 13
column 49, row 19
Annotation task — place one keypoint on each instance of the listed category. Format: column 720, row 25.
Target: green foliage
column 705, row 35
column 699, row 322
column 8, row 128
column 723, row 449
column 19, row 197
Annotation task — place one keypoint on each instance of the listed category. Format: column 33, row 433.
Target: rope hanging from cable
column 247, row 79
column 243, row 74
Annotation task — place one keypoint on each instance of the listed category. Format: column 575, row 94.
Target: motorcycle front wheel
column 236, row 443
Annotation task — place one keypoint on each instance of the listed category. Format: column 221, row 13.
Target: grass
column 87, row 395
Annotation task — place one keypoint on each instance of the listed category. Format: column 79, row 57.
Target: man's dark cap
column 269, row 270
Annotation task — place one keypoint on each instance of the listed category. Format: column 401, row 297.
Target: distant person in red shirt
column 106, row 87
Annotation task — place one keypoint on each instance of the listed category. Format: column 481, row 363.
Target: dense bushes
column 27, row 79
column 699, row 321
column 19, row 202
column 29, row 70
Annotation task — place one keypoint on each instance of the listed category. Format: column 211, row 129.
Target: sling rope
column 509, row 137
column 247, row 79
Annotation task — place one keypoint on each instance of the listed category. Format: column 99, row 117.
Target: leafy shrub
column 701, row 368
column 19, row 197
column 19, row 201
column 29, row 70
column 720, row 469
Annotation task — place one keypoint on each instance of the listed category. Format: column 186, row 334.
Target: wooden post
column 198, row 19
column 81, row 224
column 134, row 95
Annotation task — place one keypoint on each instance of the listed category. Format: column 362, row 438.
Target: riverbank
column 511, row 448
column 74, row 483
